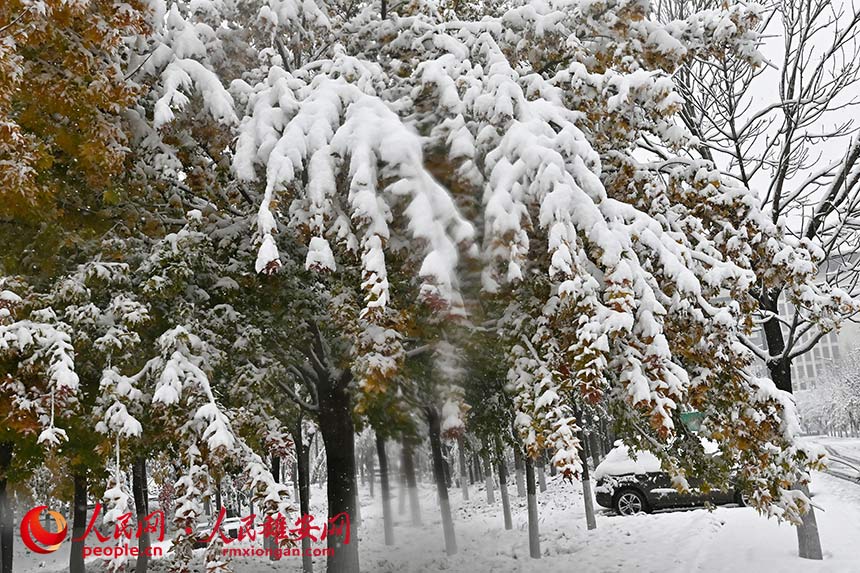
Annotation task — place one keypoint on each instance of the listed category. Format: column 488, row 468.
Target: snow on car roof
column 619, row 462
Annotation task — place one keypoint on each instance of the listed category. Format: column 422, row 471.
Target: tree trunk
column 542, row 474
column 401, row 486
column 593, row 448
column 503, row 485
column 488, row 479
column 534, row 533
column 141, row 506
column 586, row 484
column 7, row 520
column 411, row 484
column 295, row 473
column 518, row 471
column 270, row 542
column 808, row 539
column 336, row 427
column 446, row 471
column 79, row 522
column 302, row 474
column 355, row 489
column 464, row 484
column 439, row 475
column 219, row 500
column 387, row 518
column 371, row 470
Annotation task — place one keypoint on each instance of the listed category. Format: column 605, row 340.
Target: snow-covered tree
column 795, row 151
column 326, row 198
column 834, row 404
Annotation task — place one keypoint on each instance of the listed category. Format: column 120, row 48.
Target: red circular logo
column 36, row 537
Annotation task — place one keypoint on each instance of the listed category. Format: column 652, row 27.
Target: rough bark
column 7, row 520
column 534, row 531
column 464, row 484
column 387, row 518
column 411, row 483
column 79, row 522
column 141, row 506
column 441, row 484
column 336, row 427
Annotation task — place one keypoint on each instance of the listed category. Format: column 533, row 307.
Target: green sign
column 692, row 420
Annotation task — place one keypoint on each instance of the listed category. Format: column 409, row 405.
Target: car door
column 722, row 496
column 659, row 490
column 697, row 496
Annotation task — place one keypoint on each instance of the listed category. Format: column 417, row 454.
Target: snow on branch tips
column 332, row 126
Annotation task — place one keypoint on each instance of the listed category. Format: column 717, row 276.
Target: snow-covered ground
column 728, row 539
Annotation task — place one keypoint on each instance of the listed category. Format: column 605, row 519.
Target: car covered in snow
column 631, row 484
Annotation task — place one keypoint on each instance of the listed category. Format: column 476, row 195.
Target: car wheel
column 741, row 499
column 630, row 502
